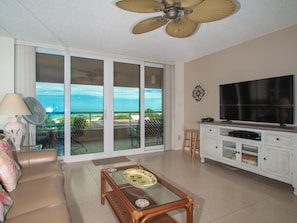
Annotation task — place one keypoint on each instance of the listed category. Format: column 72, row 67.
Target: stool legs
column 187, row 140
column 196, row 143
column 191, row 141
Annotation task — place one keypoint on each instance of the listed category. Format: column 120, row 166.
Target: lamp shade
column 13, row 104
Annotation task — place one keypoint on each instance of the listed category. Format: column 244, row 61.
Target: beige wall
column 6, row 71
column 272, row 55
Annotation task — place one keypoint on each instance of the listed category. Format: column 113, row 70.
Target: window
column 50, row 92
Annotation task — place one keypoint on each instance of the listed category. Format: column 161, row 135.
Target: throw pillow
column 10, row 171
column 5, row 203
column 5, row 146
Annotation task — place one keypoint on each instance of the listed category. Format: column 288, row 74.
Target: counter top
column 268, row 127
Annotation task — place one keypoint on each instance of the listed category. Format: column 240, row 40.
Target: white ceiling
column 99, row 25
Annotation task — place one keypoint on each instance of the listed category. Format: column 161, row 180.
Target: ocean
column 90, row 98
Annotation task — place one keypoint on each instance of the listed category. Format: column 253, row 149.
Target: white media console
column 266, row 150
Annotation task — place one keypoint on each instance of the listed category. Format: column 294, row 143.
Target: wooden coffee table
column 142, row 203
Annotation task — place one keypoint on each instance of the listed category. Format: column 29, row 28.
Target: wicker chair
column 77, row 131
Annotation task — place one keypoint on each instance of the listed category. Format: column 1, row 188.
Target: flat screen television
column 268, row 100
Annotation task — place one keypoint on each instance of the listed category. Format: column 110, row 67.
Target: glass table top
column 156, row 194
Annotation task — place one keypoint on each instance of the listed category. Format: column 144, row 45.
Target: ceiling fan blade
column 212, row 10
column 181, row 27
column 149, row 24
column 185, row 3
column 143, row 6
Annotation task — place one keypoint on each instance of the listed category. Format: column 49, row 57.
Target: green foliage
column 121, row 116
column 152, row 114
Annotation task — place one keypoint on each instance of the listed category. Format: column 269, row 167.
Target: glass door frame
column 156, row 147
column 67, row 85
column 110, row 108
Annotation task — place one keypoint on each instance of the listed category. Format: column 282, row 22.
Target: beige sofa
column 39, row 194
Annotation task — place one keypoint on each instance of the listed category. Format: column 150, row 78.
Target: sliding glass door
column 153, row 105
column 126, row 106
column 87, row 106
column 135, row 127
column 99, row 106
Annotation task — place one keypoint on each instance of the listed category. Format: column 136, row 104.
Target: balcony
column 90, row 139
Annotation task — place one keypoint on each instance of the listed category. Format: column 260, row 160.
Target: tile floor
column 222, row 194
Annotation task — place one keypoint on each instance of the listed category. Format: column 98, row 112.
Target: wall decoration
column 199, row 92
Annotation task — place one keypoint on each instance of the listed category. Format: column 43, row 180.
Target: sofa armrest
column 34, row 157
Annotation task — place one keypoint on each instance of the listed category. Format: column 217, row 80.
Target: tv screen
column 268, row 100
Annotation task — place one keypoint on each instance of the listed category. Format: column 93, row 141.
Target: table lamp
column 14, row 105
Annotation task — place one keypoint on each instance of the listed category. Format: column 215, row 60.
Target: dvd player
column 245, row 134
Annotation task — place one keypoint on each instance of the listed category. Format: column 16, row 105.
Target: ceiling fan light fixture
column 172, row 13
column 184, row 16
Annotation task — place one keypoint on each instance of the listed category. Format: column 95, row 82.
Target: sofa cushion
column 56, row 213
column 5, row 203
column 9, row 169
column 36, row 157
column 35, row 194
column 39, row 171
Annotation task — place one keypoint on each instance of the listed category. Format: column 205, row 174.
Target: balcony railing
column 126, row 127
column 95, row 120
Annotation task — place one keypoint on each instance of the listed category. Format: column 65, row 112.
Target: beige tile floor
column 222, row 194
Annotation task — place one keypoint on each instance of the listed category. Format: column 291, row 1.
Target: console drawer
column 276, row 139
column 211, row 130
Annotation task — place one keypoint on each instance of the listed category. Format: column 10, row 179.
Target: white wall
column 6, row 70
column 272, row 55
column 178, row 117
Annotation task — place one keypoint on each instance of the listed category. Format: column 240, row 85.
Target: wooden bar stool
column 191, row 141
column 196, row 143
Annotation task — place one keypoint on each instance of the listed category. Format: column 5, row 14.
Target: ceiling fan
column 183, row 16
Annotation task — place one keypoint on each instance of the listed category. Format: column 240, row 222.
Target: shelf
column 249, row 162
column 249, row 153
column 230, row 157
column 229, row 148
column 250, row 159
column 124, row 215
column 242, row 134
